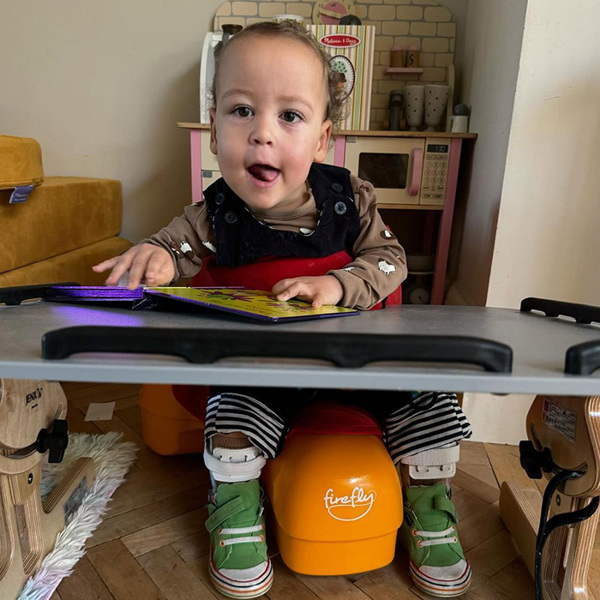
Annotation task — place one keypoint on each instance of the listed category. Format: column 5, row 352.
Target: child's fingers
column 284, row 285
column 286, row 289
column 279, row 287
column 159, row 269
column 137, row 271
column 297, row 289
column 105, row 265
column 120, row 268
column 316, row 290
column 318, row 300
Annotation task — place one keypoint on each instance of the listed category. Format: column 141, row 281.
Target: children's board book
column 255, row 304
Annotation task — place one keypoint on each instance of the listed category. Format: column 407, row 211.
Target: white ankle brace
column 439, row 463
column 234, row 464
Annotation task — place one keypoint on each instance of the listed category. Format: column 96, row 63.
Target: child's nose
column 262, row 132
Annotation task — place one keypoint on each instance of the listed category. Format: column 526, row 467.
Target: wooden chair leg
column 28, row 527
column 568, row 552
column 570, row 428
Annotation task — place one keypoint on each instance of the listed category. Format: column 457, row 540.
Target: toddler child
column 311, row 231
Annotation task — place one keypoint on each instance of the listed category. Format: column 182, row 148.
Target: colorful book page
column 249, row 303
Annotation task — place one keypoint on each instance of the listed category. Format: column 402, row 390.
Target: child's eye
column 291, row 116
column 242, row 111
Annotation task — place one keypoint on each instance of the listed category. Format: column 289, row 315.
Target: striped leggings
column 412, row 422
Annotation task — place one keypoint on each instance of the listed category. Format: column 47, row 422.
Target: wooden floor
column 153, row 546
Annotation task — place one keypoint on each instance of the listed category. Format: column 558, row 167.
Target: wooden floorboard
column 152, row 544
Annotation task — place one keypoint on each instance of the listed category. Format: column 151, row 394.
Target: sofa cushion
column 63, row 214
column 73, row 266
column 20, row 162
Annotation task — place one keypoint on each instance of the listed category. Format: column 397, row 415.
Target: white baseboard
column 497, row 419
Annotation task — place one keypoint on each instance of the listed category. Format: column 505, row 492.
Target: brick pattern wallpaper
column 423, row 24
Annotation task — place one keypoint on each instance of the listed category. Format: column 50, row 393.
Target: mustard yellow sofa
column 53, row 228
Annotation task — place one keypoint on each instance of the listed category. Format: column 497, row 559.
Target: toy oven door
column 393, row 165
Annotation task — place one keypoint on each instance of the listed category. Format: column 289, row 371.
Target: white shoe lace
column 241, row 530
column 436, row 537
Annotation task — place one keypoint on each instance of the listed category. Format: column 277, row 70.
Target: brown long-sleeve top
column 379, row 264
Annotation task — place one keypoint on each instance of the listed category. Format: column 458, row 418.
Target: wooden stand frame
column 28, row 526
column 570, row 427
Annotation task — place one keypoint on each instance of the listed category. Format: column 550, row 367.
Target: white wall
column 491, row 49
column 101, row 84
column 547, row 241
column 549, row 219
column 491, row 54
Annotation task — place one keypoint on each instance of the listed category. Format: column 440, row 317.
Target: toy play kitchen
column 505, row 351
column 396, row 133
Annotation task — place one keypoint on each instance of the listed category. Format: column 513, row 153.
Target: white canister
column 414, row 97
column 436, row 97
column 460, row 119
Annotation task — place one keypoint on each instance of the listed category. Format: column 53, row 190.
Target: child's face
column 269, row 123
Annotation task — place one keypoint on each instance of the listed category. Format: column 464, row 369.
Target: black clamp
column 535, row 461
column 54, row 440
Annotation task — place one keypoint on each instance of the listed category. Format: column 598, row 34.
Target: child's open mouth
column 263, row 174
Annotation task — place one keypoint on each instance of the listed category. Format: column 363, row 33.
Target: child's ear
column 323, row 143
column 213, row 132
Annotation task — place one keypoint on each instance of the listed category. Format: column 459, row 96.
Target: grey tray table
column 538, row 343
column 539, row 346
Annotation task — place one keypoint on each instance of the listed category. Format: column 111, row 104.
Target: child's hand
column 317, row 290
column 148, row 263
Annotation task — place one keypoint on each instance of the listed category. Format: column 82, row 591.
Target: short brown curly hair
column 296, row 31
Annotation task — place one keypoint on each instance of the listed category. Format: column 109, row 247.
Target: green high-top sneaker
column 239, row 566
column 437, row 562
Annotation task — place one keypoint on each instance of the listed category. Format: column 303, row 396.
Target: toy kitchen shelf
column 404, row 71
column 420, row 169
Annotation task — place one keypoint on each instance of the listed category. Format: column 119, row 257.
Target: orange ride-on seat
column 335, row 493
column 173, row 418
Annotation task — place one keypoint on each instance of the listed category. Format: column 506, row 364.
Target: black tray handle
column 343, row 349
column 12, row 296
column 582, row 313
column 583, row 359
